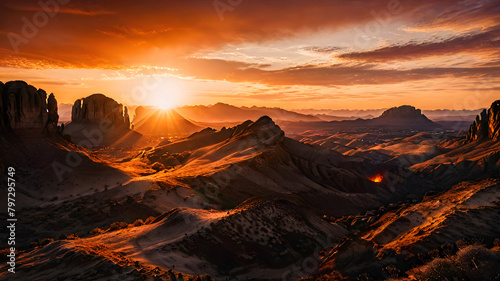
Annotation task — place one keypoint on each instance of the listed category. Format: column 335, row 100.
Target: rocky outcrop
column 494, row 121
column 405, row 111
column 404, row 117
column 52, row 109
column 99, row 121
column 25, row 110
column 126, row 117
column 98, row 108
column 479, row 129
column 487, row 125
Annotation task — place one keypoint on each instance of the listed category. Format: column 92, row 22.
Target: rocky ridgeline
column 487, row 125
column 25, row 110
column 98, row 107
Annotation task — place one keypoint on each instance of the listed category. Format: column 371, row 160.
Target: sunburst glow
column 166, row 95
column 165, row 103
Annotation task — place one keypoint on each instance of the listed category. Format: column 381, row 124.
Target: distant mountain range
column 221, row 112
column 346, row 114
column 224, row 113
column 398, row 118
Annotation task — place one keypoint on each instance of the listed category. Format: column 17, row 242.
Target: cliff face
column 24, row 110
column 487, row 125
column 98, row 107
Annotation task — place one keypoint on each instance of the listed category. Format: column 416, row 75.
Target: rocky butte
column 487, row 125
column 98, row 107
column 102, row 121
column 26, row 110
column 404, row 112
column 405, row 116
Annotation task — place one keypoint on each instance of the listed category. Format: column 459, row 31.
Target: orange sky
column 292, row 54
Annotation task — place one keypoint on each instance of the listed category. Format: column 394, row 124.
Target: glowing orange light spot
column 376, row 178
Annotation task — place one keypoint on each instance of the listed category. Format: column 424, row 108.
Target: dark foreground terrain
column 396, row 197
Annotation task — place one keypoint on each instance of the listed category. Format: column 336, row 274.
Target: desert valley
column 397, row 196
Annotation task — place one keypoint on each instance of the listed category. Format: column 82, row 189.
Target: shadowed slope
column 255, row 159
column 257, row 239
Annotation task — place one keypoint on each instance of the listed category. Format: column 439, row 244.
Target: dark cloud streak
column 343, row 75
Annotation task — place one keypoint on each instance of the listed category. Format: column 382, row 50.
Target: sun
column 166, row 95
column 165, row 103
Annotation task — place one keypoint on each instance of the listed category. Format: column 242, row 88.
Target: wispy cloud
column 329, row 49
column 487, row 43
